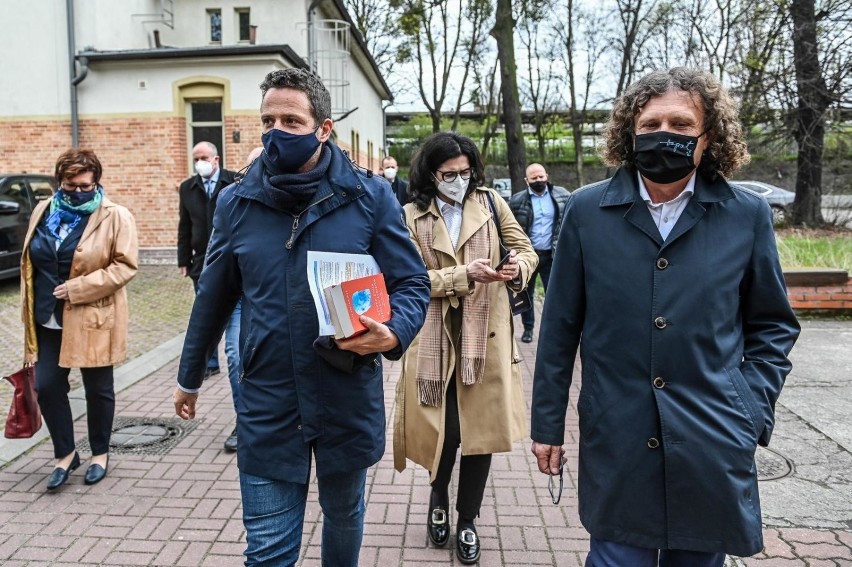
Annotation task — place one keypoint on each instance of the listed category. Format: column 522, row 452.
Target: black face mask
column 538, row 186
column 664, row 157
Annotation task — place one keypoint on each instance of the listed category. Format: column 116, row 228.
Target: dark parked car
column 779, row 199
column 19, row 194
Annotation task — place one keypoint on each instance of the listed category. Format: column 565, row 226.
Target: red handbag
column 24, row 416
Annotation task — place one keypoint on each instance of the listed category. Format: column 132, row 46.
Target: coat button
column 299, row 427
column 653, row 443
column 662, row 263
column 659, row 382
column 492, row 334
column 660, row 322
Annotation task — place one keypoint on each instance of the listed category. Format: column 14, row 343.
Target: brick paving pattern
column 183, row 508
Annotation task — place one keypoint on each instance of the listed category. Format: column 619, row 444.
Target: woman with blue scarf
column 79, row 253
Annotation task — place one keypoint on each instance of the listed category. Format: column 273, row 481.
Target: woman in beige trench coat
column 79, row 252
column 460, row 383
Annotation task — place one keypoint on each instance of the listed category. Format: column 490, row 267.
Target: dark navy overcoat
column 684, row 348
column 291, row 401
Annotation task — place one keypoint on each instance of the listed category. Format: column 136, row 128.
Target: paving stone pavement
column 183, row 507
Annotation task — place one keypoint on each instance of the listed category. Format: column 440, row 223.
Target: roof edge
column 193, row 52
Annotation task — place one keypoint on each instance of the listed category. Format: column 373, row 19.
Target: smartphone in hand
column 503, row 261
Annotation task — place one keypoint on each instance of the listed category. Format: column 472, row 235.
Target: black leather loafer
column 467, row 545
column 438, row 522
column 95, row 473
column 527, row 337
column 59, row 475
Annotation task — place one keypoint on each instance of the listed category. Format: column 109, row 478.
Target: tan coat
column 96, row 317
column 491, row 413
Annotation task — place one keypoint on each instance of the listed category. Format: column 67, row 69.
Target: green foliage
column 801, row 251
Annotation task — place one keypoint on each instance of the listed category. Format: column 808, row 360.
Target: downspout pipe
column 74, row 78
column 312, row 49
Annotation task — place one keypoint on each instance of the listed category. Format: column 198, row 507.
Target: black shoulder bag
column 521, row 301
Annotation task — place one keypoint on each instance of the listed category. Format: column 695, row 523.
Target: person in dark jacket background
column 667, row 278
column 198, row 196
column 390, row 171
column 301, row 395
column 539, row 211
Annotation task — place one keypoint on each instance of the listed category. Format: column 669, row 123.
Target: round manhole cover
column 771, row 465
column 140, row 435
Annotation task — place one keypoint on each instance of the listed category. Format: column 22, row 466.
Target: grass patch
column 812, row 249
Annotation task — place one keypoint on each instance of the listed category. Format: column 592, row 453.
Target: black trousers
column 53, row 387
column 473, row 469
column 545, row 263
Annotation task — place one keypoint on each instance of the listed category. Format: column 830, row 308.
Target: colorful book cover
column 348, row 300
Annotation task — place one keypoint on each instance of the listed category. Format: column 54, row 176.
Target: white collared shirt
column 665, row 215
column 452, row 214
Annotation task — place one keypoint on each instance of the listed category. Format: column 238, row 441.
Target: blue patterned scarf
column 63, row 212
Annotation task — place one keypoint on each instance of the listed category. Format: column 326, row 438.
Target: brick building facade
column 146, row 92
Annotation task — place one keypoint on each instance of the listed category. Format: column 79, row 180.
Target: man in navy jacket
column 302, row 396
column 667, row 278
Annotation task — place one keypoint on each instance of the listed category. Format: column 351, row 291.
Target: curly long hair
column 437, row 149
column 726, row 151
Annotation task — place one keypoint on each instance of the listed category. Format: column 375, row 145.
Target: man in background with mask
column 667, row 279
column 539, row 211
column 302, row 397
column 198, row 196
column 390, row 171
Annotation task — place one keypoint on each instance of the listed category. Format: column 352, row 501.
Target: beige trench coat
column 491, row 413
column 96, row 317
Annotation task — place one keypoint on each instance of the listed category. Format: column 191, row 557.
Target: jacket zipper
column 296, row 218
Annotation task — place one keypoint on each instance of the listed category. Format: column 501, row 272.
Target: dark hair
column 75, row 161
column 301, row 80
column 727, row 149
column 437, row 149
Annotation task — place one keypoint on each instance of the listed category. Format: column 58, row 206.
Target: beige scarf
column 434, row 348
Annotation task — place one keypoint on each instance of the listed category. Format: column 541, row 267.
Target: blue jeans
column 611, row 554
column 232, row 351
column 274, row 514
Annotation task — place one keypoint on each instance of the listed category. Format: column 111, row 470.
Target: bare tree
column 439, row 42
column 487, row 101
column 541, row 82
column 504, row 33
column 634, row 16
column 814, row 100
column 378, row 23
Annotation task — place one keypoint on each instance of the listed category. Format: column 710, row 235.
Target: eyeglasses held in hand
column 450, row 176
column 550, row 486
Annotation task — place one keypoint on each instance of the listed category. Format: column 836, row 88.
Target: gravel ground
column 160, row 302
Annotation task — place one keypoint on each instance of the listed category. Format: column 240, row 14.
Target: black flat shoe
column 59, row 475
column 467, row 545
column 231, row 441
column 438, row 522
column 95, row 473
column 527, row 337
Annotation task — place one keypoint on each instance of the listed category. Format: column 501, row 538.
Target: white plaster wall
column 34, row 50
